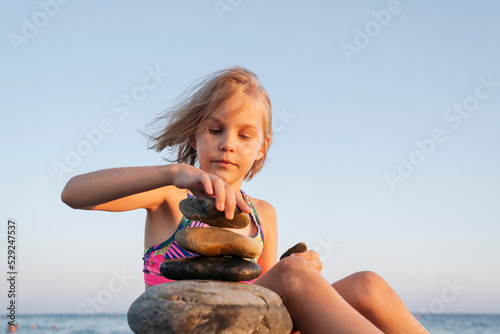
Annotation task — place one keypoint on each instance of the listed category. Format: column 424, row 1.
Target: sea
column 117, row 323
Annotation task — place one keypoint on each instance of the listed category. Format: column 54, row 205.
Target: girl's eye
column 214, row 131
column 245, row 136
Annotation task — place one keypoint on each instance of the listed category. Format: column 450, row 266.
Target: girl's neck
column 237, row 186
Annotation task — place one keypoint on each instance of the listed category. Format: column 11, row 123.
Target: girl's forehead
column 242, row 110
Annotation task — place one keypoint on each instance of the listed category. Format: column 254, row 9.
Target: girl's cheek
column 252, row 149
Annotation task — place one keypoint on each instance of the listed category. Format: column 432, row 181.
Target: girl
column 224, row 126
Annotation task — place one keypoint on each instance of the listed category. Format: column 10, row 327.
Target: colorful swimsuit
column 169, row 249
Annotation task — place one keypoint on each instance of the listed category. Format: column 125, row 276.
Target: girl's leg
column 313, row 304
column 371, row 296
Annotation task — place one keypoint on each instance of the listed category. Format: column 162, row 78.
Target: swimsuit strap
column 254, row 215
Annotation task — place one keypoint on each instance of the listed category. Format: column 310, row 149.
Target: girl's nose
column 227, row 143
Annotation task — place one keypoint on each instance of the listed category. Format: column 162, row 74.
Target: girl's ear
column 264, row 148
column 192, row 141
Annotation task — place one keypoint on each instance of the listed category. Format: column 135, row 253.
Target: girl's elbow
column 69, row 198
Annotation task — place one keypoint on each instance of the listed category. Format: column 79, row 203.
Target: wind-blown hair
column 196, row 105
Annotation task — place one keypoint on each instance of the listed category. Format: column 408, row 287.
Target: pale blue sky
column 341, row 126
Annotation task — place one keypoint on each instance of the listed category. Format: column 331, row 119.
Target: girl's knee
column 370, row 290
column 370, row 280
column 295, row 264
column 295, row 272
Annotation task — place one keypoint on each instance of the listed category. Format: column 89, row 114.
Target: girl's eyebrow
column 214, row 119
column 241, row 125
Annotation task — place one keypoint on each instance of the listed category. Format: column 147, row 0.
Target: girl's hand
column 204, row 184
column 312, row 257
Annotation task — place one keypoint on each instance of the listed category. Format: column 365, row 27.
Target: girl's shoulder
column 264, row 209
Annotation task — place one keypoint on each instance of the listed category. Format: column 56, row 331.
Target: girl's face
column 232, row 141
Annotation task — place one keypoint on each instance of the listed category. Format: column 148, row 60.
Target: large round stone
column 209, row 307
column 203, row 209
column 215, row 241
column 201, row 267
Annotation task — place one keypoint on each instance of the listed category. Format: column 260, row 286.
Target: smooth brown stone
column 208, row 307
column 203, row 209
column 201, row 267
column 298, row 248
column 216, row 241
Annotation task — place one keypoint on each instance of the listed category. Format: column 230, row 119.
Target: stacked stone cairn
column 221, row 251
column 208, row 295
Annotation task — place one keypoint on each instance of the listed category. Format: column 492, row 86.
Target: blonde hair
column 197, row 103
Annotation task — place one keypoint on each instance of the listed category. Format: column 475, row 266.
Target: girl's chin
column 226, row 175
column 229, row 178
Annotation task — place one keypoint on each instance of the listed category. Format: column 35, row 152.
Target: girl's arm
column 128, row 188
column 86, row 191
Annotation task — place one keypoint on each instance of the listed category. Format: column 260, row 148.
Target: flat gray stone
column 202, row 267
column 208, row 307
column 216, row 241
column 203, row 209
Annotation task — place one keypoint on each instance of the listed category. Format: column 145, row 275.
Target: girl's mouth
column 224, row 163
